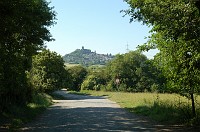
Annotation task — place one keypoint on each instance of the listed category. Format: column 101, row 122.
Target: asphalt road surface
column 80, row 113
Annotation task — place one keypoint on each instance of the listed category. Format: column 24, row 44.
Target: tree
column 176, row 33
column 78, row 74
column 133, row 71
column 23, row 32
column 48, row 72
column 90, row 83
column 95, row 80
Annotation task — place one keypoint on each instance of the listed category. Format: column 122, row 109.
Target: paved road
column 80, row 113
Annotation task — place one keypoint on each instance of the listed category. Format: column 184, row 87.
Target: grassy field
column 166, row 108
column 71, row 65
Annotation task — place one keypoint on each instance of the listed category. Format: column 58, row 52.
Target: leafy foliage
column 131, row 72
column 176, row 33
column 135, row 72
column 20, row 38
column 48, row 72
column 95, row 80
column 78, row 74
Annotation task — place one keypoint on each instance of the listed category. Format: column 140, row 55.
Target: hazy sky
column 97, row 25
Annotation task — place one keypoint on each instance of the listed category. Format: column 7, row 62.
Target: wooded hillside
column 86, row 57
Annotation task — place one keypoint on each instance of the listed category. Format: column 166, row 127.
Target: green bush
column 41, row 99
column 48, row 72
column 154, row 87
column 122, row 87
column 78, row 74
column 110, row 86
column 134, row 71
column 103, row 88
column 89, row 83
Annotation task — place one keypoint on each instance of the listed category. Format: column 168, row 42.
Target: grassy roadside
column 17, row 116
column 165, row 108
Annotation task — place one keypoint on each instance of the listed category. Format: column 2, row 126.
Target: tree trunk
column 193, row 105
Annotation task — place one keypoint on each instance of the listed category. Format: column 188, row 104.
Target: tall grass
column 18, row 115
column 166, row 108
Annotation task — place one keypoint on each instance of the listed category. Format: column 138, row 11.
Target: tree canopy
column 48, row 72
column 135, row 72
column 176, row 33
column 78, row 74
column 24, row 29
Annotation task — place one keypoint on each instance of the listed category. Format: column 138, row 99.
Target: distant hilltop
column 86, row 57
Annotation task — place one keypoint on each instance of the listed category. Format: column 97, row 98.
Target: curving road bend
column 80, row 113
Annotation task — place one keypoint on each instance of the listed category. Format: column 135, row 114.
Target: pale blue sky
column 95, row 24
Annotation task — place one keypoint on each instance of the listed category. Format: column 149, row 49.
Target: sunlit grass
column 166, row 108
column 71, row 65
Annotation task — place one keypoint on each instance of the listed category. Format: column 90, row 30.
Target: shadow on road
column 89, row 119
column 64, row 95
column 89, row 113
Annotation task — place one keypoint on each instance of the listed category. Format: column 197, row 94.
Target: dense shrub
column 20, row 38
column 78, row 74
column 48, row 72
column 134, row 73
